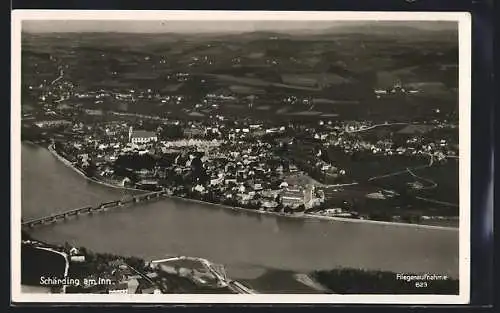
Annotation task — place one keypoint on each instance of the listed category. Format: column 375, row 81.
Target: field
column 431, row 190
column 366, row 166
column 338, row 70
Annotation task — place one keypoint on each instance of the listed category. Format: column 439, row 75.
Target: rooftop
column 142, row 134
column 292, row 195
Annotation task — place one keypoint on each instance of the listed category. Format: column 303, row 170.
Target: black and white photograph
column 219, row 157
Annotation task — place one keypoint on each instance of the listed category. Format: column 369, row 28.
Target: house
column 257, row 187
column 141, row 136
column 199, row 188
column 74, row 251
column 216, row 181
column 333, row 211
column 144, row 173
column 269, row 204
column 77, row 258
column 193, row 132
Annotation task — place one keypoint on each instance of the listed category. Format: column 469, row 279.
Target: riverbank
column 315, row 216
column 263, row 212
column 81, row 173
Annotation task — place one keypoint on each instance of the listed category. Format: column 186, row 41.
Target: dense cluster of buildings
column 415, row 143
column 235, row 162
column 231, row 169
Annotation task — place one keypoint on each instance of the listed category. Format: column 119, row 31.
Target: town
column 269, row 166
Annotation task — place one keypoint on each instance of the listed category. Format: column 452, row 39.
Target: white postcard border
column 464, row 20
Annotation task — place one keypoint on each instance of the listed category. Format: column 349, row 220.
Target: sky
column 135, row 26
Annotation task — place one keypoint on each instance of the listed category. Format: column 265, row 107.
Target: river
column 247, row 243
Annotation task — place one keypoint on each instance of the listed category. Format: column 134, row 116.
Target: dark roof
column 142, row 134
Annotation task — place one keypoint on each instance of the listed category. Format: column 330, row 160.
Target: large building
column 141, row 136
column 292, row 198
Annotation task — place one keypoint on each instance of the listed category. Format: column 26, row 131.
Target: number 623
column 421, row 284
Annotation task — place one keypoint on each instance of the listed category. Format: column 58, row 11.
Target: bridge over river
column 53, row 218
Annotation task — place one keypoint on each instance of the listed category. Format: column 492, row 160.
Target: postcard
column 240, row 157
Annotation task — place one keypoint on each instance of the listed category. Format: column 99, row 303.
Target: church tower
column 130, row 131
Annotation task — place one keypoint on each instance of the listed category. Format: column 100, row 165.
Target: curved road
column 431, row 162
column 432, row 183
column 374, row 126
column 410, row 171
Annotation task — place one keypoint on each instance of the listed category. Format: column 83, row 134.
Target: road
column 61, row 75
column 337, row 185
column 240, row 288
column 141, row 274
column 437, row 201
column 66, row 266
column 374, row 126
column 431, row 162
column 432, row 183
column 410, row 171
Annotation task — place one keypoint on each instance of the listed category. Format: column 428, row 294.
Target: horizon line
column 303, row 31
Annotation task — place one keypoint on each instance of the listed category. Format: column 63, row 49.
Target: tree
column 346, row 205
column 91, row 169
column 84, row 251
column 67, row 246
column 287, row 209
column 170, row 132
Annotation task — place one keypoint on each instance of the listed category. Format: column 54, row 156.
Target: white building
column 292, row 197
column 141, row 136
column 77, row 258
column 121, row 288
